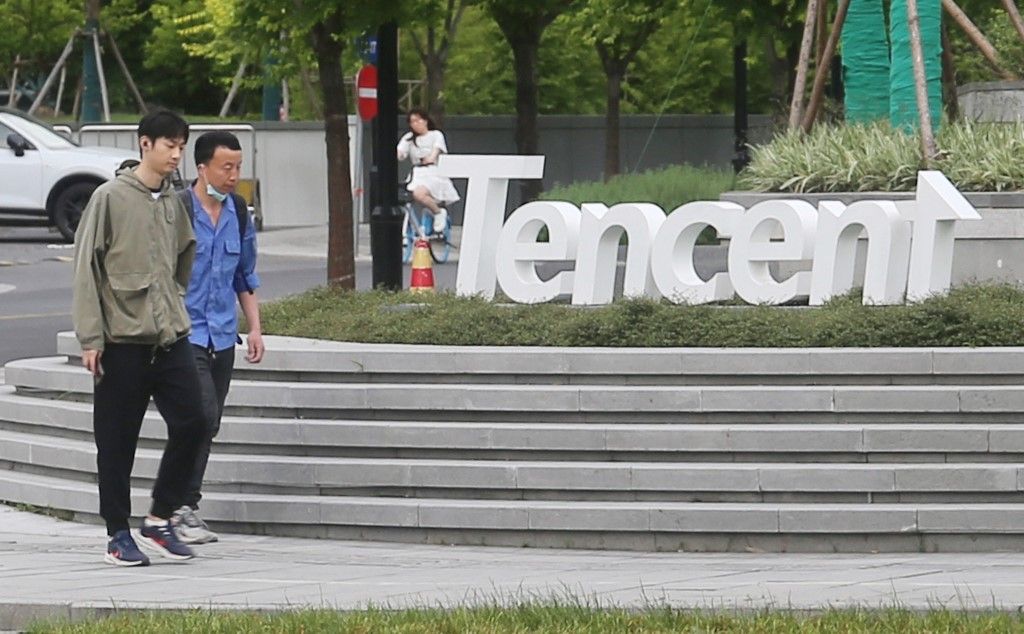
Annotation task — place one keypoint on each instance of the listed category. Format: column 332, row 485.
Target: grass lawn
column 557, row 619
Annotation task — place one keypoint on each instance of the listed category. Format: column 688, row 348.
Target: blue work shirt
column 224, row 267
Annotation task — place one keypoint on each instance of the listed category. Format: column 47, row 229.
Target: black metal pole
column 386, row 217
column 740, row 125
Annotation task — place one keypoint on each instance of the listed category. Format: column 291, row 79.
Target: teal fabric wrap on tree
column 865, row 62
column 902, row 97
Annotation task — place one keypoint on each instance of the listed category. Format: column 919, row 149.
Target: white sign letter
column 672, row 252
column 518, row 250
column 835, row 251
column 937, row 207
column 486, row 193
column 601, row 229
column 752, row 249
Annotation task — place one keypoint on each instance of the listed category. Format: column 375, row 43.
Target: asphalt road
column 35, row 287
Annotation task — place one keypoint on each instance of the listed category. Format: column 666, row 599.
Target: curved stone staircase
column 647, row 449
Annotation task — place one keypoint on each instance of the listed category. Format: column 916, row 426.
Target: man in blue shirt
column 224, row 268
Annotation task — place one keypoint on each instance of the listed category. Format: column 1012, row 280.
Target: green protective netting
column 902, row 98
column 865, row 61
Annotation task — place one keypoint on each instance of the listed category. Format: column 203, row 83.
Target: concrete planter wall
column 992, row 100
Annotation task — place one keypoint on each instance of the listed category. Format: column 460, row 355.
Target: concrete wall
column 992, row 100
column 291, row 161
column 574, row 145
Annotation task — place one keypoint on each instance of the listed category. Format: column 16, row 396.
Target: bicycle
column 418, row 224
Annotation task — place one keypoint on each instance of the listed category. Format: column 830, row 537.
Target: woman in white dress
column 423, row 143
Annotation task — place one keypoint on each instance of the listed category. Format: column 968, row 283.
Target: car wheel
column 68, row 209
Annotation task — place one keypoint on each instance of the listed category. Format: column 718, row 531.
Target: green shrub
column 877, row 157
column 991, row 315
column 668, row 188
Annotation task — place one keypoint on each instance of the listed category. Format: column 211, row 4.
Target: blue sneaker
column 163, row 541
column 122, row 551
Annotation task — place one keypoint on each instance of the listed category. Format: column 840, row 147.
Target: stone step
column 287, row 436
column 322, row 475
column 54, row 376
column 641, row 525
column 291, row 358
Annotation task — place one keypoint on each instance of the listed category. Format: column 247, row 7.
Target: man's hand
column 91, row 361
column 254, row 340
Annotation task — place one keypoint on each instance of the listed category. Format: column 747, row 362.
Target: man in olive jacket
column 133, row 260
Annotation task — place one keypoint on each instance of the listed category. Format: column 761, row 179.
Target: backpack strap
column 242, row 211
column 186, row 198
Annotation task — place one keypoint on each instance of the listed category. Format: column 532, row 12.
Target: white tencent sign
column 909, row 252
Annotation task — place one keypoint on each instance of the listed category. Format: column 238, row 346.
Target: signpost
column 366, row 92
column 386, row 216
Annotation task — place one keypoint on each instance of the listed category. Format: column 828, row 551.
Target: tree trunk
column 928, row 149
column 821, row 72
column 778, row 71
column 613, row 86
column 12, row 97
column 796, row 107
column 435, row 88
column 1018, row 23
column 525, row 49
column 949, row 76
column 341, row 271
column 977, row 38
column 821, row 32
column 315, row 103
column 523, row 24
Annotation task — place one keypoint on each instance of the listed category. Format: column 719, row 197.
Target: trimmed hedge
column 668, row 187
column 991, row 315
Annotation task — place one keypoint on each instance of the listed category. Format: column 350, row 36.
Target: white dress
column 440, row 187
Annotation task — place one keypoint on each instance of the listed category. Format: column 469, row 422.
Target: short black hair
column 163, row 123
column 208, row 142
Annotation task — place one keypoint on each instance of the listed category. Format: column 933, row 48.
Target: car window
column 4, row 131
column 40, row 133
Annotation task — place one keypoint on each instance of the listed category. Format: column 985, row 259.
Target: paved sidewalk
column 52, row 568
column 311, row 242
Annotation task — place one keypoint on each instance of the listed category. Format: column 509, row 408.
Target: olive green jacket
column 133, row 260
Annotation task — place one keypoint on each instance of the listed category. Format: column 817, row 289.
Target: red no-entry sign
column 366, row 92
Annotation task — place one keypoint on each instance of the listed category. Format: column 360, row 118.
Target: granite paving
column 54, row 568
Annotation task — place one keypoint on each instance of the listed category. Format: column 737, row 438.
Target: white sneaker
column 190, row 528
column 440, row 220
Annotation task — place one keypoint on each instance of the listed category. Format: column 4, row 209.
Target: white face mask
column 216, row 195
column 213, row 192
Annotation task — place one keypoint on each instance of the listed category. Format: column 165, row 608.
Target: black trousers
column 214, row 381
column 132, row 373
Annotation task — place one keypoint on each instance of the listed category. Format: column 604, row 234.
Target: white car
column 46, row 175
